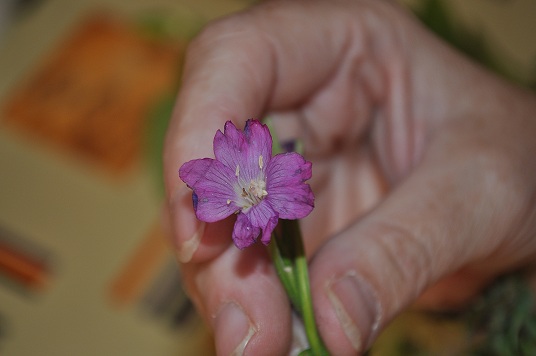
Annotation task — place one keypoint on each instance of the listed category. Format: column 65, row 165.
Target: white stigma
column 253, row 194
column 257, row 189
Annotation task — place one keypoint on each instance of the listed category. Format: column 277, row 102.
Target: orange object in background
column 22, row 268
column 24, row 264
column 140, row 268
column 92, row 96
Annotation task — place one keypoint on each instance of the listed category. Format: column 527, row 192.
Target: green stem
column 291, row 264
column 288, row 255
column 285, row 269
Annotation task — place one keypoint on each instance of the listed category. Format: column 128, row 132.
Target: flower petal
column 263, row 216
column 267, row 230
column 288, row 193
column 244, row 233
column 260, row 145
column 245, row 179
column 250, row 150
column 212, row 183
column 192, row 171
column 260, row 214
column 230, row 147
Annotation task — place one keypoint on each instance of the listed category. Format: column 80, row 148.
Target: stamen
column 257, row 189
column 237, row 171
column 228, row 201
column 260, row 162
column 252, row 194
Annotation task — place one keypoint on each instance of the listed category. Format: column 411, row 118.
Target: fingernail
column 299, row 336
column 187, row 229
column 233, row 330
column 186, row 250
column 357, row 307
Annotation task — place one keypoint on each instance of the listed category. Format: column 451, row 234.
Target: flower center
column 252, row 194
column 255, row 192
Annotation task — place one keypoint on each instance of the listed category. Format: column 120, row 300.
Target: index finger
column 236, row 69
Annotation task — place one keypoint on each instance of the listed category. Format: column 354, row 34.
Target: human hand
column 423, row 169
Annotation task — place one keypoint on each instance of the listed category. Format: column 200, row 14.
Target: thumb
column 459, row 206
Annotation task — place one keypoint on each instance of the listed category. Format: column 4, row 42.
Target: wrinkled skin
column 423, row 169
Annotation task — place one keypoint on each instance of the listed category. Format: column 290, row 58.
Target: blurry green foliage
column 436, row 15
column 503, row 321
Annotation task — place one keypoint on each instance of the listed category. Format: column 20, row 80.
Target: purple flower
column 246, row 180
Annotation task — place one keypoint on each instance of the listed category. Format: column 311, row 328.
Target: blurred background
column 86, row 90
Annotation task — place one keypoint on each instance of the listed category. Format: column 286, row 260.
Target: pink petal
column 263, row 216
column 244, row 233
column 288, row 193
column 212, row 183
column 230, row 147
column 267, row 231
column 248, row 226
column 260, row 214
column 192, row 171
column 243, row 149
column 260, row 144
